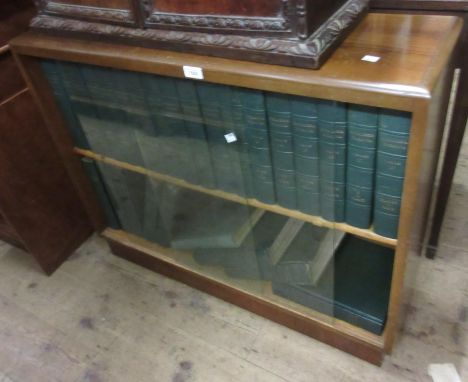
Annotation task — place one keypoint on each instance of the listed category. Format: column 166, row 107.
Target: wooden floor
column 100, row 318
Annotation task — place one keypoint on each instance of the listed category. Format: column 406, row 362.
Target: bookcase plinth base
column 137, row 251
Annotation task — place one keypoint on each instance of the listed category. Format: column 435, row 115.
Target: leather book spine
column 332, row 121
column 394, row 130
column 306, row 154
column 258, row 141
column 190, row 106
column 215, row 105
column 362, row 145
column 280, row 128
column 167, row 150
column 241, row 98
column 109, row 98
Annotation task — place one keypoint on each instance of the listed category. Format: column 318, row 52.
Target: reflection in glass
column 223, row 177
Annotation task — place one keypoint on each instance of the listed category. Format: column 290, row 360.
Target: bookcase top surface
column 412, row 52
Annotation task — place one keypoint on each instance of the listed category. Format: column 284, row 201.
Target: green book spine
column 393, row 137
column 215, row 101
column 108, row 95
column 190, row 105
column 167, row 150
column 306, row 154
column 332, row 121
column 51, row 70
column 241, row 98
column 354, row 288
column 145, row 192
column 131, row 100
column 257, row 138
column 281, row 138
column 362, row 147
column 234, row 148
column 86, row 110
column 101, row 192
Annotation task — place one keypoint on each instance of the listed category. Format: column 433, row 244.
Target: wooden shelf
column 366, row 234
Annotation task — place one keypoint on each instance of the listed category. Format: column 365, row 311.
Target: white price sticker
column 193, row 72
column 370, row 58
column 230, row 138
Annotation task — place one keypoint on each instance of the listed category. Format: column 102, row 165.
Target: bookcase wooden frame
column 414, row 75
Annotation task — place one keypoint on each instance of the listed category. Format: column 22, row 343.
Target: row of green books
column 340, row 161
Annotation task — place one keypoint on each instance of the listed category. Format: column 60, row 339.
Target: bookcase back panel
column 259, row 8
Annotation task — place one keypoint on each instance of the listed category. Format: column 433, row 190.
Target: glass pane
column 244, row 186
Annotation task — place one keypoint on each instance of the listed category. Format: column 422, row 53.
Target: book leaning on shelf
column 248, row 260
column 198, row 225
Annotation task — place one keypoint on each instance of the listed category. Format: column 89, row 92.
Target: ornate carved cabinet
column 197, row 180
column 288, row 32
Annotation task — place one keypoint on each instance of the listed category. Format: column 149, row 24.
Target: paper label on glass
column 230, row 138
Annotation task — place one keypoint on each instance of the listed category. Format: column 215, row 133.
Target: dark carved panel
column 122, row 13
column 306, row 53
column 168, row 20
column 259, row 8
column 229, row 16
column 115, row 4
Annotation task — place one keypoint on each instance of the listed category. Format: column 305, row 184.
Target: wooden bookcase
column 413, row 75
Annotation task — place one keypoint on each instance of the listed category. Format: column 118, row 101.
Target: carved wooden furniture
column 460, row 110
column 287, row 32
column 412, row 75
column 39, row 209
